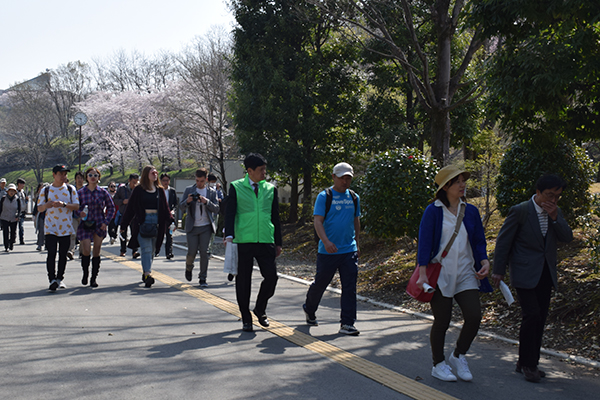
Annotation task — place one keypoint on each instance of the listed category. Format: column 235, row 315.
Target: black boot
column 95, row 269
column 85, row 265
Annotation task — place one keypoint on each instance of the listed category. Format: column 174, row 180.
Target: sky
column 36, row 35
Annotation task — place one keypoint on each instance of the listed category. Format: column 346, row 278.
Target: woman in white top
column 463, row 267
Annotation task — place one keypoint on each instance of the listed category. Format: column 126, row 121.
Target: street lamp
column 80, row 119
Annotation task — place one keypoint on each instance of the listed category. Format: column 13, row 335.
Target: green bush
column 394, row 192
column 525, row 162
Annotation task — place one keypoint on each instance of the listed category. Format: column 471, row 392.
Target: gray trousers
column 198, row 239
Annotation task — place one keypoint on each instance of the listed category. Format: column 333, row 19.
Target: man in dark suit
column 527, row 243
column 252, row 221
column 173, row 201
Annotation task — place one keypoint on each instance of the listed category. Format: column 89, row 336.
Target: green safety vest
column 253, row 215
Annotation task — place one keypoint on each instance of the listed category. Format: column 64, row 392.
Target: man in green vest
column 252, row 221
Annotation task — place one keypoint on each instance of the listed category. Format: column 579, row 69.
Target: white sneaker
column 443, row 372
column 461, row 366
column 61, row 284
column 112, row 240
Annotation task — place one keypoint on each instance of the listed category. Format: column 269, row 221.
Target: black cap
column 60, row 168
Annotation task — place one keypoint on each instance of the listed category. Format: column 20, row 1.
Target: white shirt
column 458, row 272
column 59, row 220
column 201, row 217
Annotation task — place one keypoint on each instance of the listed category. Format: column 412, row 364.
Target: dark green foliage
column 284, row 212
column 396, row 188
column 525, row 162
column 544, row 76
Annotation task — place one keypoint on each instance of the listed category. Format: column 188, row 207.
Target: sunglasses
column 93, row 175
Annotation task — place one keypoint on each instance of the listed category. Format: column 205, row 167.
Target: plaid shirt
column 97, row 201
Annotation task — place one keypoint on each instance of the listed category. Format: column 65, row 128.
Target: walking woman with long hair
column 148, row 214
column 93, row 224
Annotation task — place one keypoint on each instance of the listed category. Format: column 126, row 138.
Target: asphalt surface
column 174, row 340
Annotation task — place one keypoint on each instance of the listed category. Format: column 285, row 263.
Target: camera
column 195, row 196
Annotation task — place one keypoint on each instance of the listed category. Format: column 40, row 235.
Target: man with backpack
column 527, row 244
column 337, row 223
column 59, row 200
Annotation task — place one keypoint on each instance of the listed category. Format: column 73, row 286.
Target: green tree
column 526, row 161
column 432, row 43
column 544, row 78
column 396, row 188
column 294, row 92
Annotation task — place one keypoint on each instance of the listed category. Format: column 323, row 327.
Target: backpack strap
column 47, row 189
column 328, row 200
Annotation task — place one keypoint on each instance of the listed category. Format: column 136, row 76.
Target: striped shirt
column 542, row 217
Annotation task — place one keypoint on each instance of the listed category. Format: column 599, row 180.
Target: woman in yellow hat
column 464, row 265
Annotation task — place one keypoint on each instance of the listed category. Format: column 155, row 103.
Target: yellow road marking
column 376, row 372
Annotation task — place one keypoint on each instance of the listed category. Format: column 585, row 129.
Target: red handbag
column 433, row 268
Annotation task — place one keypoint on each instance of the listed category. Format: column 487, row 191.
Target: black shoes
column 262, row 319
column 169, row 256
column 203, row 283
column 247, row 327
column 188, row 275
column 148, row 280
column 135, row 255
column 53, row 285
column 521, row 370
column 311, row 319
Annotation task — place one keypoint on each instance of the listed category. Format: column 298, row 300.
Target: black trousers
column 168, row 243
column 61, row 245
column 9, row 231
column 264, row 254
column 534, row 308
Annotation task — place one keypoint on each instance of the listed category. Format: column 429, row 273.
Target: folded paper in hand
column 506, row 293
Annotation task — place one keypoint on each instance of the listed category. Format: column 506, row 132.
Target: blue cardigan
column 430, row 236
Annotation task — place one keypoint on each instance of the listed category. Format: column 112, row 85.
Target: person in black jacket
column 172, row 201
column 147, row 206
column 121, row 199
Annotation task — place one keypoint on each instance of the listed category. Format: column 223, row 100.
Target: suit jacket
column 524, row 249
column 212, row 205
column 173, row 201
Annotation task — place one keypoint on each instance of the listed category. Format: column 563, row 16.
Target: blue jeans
column 147, row 245
column 327, row 265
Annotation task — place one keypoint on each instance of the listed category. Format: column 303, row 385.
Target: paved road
column 124, row 341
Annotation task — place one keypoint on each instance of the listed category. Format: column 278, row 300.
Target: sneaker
column 61, row 285
column 70, row 255
column 461, row 367
column 311, row 319
column 39, row 248
column 349, row 330
column 149, row 281
column 135, row 255
column 112, row 240
column 203, row 283
column 53, row 285
column 443, row 372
